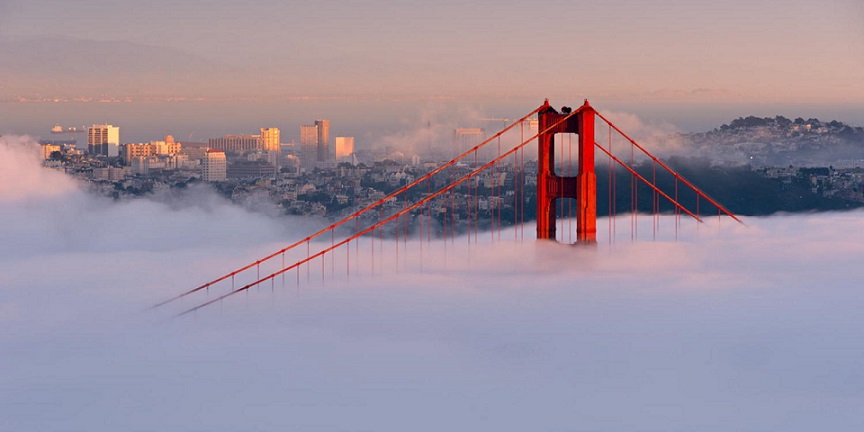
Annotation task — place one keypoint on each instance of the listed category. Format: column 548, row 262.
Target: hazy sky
column 775, row 50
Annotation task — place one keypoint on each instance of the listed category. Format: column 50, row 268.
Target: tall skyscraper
column 271, row 145
column 215, row 166
column 103, row 140
column 270, row 139
column 344, row 147
column 323, row 140
column 308, row 146
column 315, row 144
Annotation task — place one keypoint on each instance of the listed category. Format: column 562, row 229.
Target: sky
column 659, row 49
column 732, row 327
column 687, row 61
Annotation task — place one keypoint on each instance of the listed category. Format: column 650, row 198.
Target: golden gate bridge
column 579, row 191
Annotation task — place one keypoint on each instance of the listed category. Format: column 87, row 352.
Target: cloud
column 18, row 178
column 728, row 328
column 45, row 212
column 659, row 138
column 430, row 134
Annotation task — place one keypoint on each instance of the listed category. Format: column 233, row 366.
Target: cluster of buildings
column 780, row 142
column 262, row 155
column 326, row 176
column 219, row 159
column 827, row 182
column 320, row 175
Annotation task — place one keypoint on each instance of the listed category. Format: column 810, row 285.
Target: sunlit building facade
column 235, row 143
column 344, row 147
column 168, row 147
column 47, row 149
column 103, row 140
column 131, row 151
column 215, row 166
column 270, row 139
column 315, row 144
column 271, row 145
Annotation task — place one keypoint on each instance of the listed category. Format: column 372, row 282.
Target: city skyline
column 585, row 284
column 391, row 67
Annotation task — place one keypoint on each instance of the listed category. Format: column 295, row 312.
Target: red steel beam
column 352, row 216
column 378, row 224
column 644, row 180
column 440, row 192
column 671, row 171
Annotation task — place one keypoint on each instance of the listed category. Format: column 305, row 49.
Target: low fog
column 731, row 327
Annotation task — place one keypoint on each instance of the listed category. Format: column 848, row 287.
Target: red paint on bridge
column 550, row 187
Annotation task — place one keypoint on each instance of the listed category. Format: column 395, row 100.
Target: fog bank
column 729, row 328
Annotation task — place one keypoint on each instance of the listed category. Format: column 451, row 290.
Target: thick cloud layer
column 20, row 178
column 728, row 328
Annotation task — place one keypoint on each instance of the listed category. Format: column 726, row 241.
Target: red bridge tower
column 582, row 188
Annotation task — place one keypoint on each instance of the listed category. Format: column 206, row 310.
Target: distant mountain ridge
column 75, row 68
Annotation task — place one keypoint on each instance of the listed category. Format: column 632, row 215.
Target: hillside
column 779, row 141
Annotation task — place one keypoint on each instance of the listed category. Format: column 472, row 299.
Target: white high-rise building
column 270, row 139
column 271, row 145
column 103, row 140
column 344, row 148
column 315, row 144
column 308, row 146
column 215, row 166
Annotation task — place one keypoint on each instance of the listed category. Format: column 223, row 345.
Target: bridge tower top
column 551, row 186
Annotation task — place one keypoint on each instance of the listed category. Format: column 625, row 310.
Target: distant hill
column 779, row 141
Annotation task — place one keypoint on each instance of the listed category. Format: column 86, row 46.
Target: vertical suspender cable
column 570, row 174
column 499, row 200
column 677, row 212
column 632, row 195
column 654, row 208
column 612, row 190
